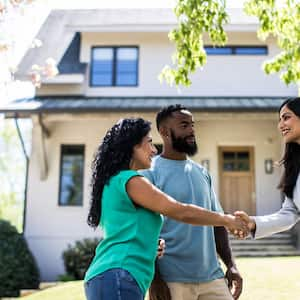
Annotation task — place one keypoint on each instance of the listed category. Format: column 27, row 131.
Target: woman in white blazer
column 289, row 214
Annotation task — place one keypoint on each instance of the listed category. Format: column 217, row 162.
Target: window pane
column 71, row 175
column 126, row 66
column 105, row 54
column 126, row 79
column 251, row 51
column 102, row 67
column 243, row 155
column 218, row 50
column 243, row 166
column 229, row 166
column 127, row 54
column 243, row 163
column 102, row 79
column 228, row 155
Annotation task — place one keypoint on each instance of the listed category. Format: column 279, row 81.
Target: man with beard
column 190, row 264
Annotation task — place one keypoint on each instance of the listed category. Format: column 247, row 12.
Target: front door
column 236, row 165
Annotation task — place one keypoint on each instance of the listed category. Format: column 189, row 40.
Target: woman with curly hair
column 128, row 208
column 289, row 214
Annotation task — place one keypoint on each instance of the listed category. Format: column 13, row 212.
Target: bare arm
column 143, row 193
column 234, row 279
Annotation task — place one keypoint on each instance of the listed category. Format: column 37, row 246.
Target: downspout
column 26, row 170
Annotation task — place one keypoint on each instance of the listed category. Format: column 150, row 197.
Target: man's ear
column 164, row 131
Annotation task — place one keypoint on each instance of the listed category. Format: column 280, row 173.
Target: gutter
column 26, row 170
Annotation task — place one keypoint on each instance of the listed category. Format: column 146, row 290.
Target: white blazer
column 282, row 220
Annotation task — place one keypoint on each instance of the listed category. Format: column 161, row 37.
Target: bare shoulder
column 138, row 183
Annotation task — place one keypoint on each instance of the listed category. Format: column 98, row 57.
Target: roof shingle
column 77, row 104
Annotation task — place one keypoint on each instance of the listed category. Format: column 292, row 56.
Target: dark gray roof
column 77, row 104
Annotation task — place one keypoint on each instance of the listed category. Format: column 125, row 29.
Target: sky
column 125, row 4
column 21, row 27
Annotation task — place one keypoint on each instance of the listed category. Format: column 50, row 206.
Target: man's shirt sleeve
column 147, row 173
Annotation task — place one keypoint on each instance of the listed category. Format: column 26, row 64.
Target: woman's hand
column 237, row 226
column 161, row 248
column 247, row 219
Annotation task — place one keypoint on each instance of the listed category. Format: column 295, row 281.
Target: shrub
column 65, row 278
column 18, row 269
column 77, row 258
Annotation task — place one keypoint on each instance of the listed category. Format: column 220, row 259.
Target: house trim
column 78, row 104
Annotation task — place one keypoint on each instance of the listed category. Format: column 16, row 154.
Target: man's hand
column 235, row 282
column 251, row 225
column 237, row 226
column 161, row 248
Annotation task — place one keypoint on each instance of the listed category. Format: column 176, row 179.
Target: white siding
column 221, row 76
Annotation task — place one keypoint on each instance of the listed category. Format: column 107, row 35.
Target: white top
column 282, row 220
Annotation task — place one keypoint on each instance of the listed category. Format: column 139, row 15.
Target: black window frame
column 114, row 66
column 76, row 147
column 234, row 50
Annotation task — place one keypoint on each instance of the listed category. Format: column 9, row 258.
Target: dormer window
column 114, row 66
column 236, row 50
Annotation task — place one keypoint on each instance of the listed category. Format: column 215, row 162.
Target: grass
column 270, row 278
column 264, row 278
column 72, row 290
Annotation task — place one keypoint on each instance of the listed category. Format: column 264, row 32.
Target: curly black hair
column 166, row 112
column 113, row 155
column 291, row 157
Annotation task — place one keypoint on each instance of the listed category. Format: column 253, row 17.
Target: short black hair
column 166, row 112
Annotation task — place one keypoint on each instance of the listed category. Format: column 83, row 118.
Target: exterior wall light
column 269, row 166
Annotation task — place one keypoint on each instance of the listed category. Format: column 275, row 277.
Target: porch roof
column 80, row 104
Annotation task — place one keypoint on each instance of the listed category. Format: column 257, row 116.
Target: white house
column 109, row 66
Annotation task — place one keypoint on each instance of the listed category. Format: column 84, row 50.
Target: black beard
column 181, row 145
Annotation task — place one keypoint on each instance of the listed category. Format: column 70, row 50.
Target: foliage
column 12, row 170
column 65, row 278
column 283, row 22
column 195, row 18
column 18, row 269
column 277, row 18
column 77, row 258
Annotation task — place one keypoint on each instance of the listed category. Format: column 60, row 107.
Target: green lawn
column 264, row 279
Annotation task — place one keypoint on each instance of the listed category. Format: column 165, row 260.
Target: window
column 236, row 50
column 236, row 161
column 218, row 50
column 71, row 175
column 114, row 66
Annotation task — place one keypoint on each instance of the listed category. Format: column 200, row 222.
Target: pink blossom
column 50, row 69
column 36, row 79
column 2, row 7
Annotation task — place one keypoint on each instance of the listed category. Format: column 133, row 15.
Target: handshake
column 240, row 224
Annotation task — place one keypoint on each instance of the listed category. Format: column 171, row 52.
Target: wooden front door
column 237, row 192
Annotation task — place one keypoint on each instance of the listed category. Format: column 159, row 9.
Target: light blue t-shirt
column 190, row 254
